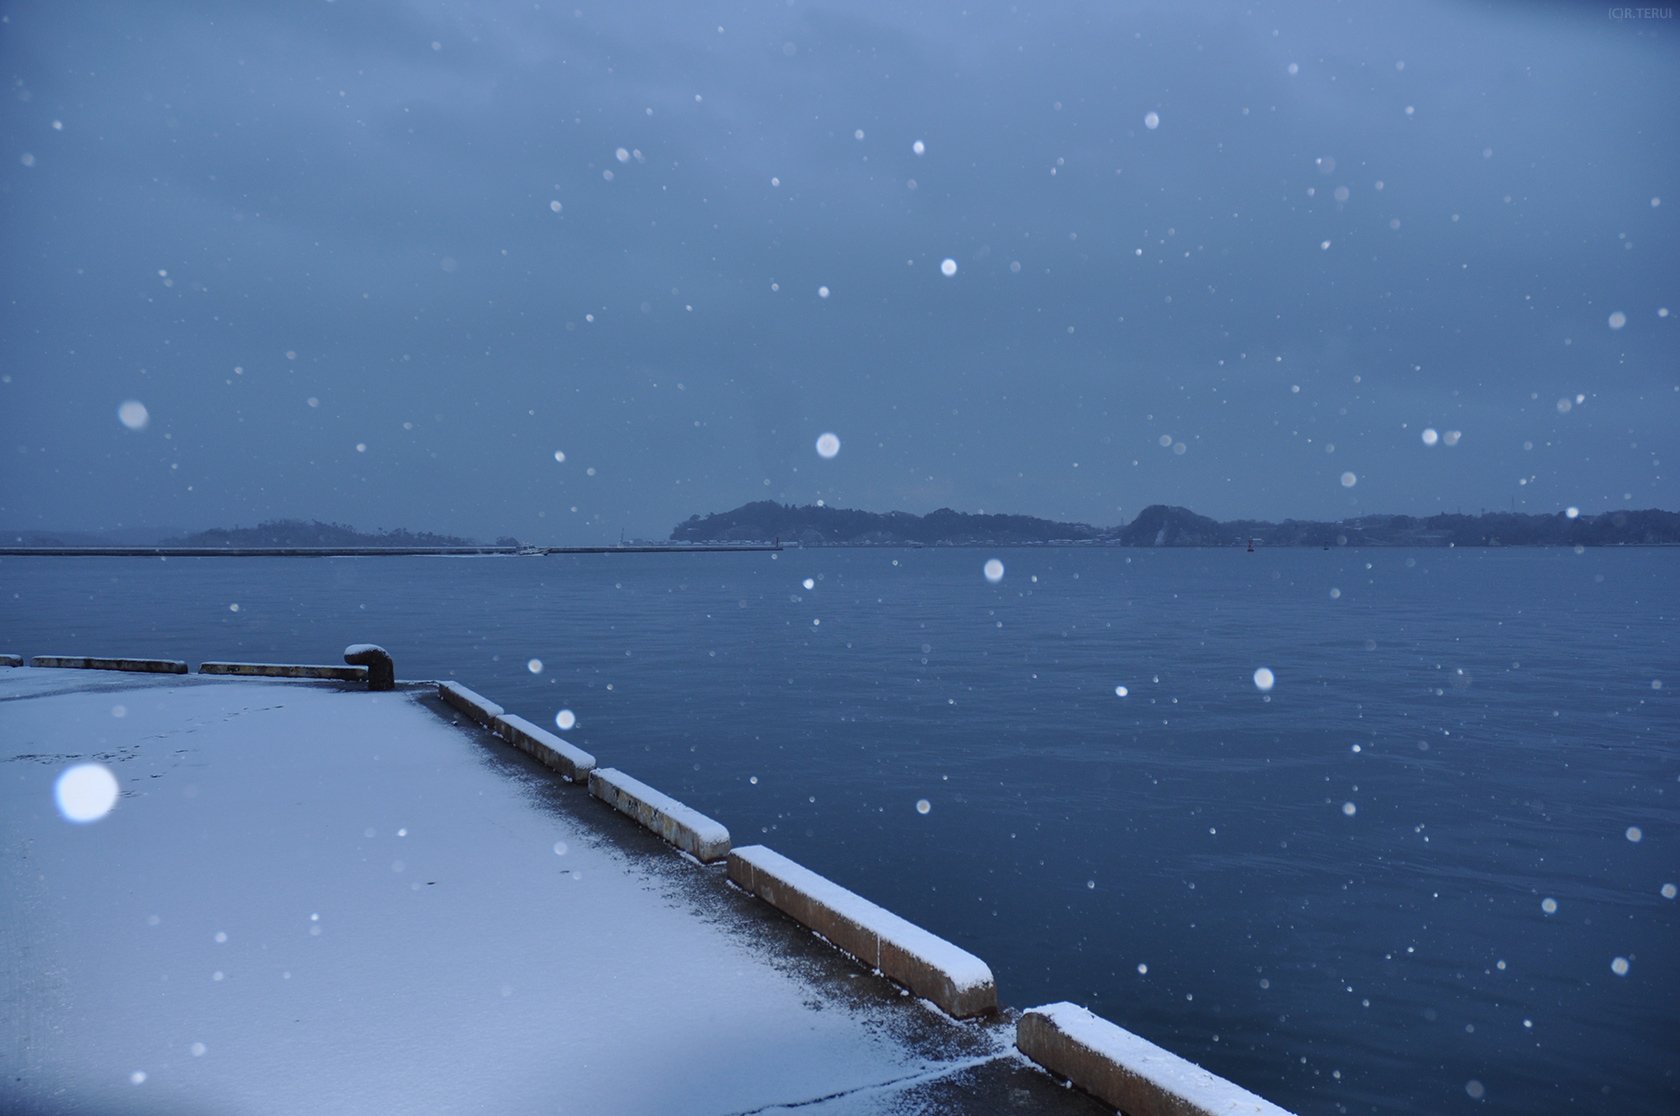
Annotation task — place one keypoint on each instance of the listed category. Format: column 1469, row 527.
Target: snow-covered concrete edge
column 564, row 757
column 686, row 828
column 287, row 670
column 1127, row 1071
column 569, row 760
column 957, row 981
column 90, row 662
column 479, row 708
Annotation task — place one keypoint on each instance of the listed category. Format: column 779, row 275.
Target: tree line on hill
column 274, row 533
column 1163, row 525
column 295, row 532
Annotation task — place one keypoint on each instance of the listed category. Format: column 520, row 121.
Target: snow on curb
column 287, row 670
column 480, row 709
column 956, row 980
column 80, row 662
column 1129, row 1072
column 688, row 829
column 568, row 759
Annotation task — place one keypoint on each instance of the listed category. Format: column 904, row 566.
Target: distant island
column 295, row 532
column 274, row 533
column 1162, row 525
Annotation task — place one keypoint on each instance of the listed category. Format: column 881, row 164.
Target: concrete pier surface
column 313, row 898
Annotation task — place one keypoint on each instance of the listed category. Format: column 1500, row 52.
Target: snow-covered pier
column 299, row 891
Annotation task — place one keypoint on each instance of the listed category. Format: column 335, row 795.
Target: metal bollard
column 382, row 673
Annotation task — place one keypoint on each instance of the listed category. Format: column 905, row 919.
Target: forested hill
column 295, row 532
column 817, row 525
column 1161, row 525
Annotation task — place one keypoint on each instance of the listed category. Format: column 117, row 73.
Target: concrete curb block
column 11, row 660
column 287, row 670
column 1129, row 1072
column 688, row 829
column 480, row 709
column 959, row 982
column 569, row 760
column 82, row 662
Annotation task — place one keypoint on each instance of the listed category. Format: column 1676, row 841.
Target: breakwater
column 1093, row 1054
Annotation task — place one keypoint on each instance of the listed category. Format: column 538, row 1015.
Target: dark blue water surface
column 1337, row 888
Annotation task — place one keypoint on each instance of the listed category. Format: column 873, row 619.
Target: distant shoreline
column 738, row 548
column 1160, row 525
column 362, row 551
column 766, row 525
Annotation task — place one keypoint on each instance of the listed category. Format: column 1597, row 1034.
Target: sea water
column 1431, row 866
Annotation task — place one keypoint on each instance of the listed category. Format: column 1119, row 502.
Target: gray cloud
column 319, row 181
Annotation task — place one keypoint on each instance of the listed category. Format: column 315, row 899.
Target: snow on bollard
column 686, row 828
column 382, row 674
column 480, row 709
column 957, row 981
column 1126, row 1071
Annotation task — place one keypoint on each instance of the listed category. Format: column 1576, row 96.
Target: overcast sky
column 376, row 262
